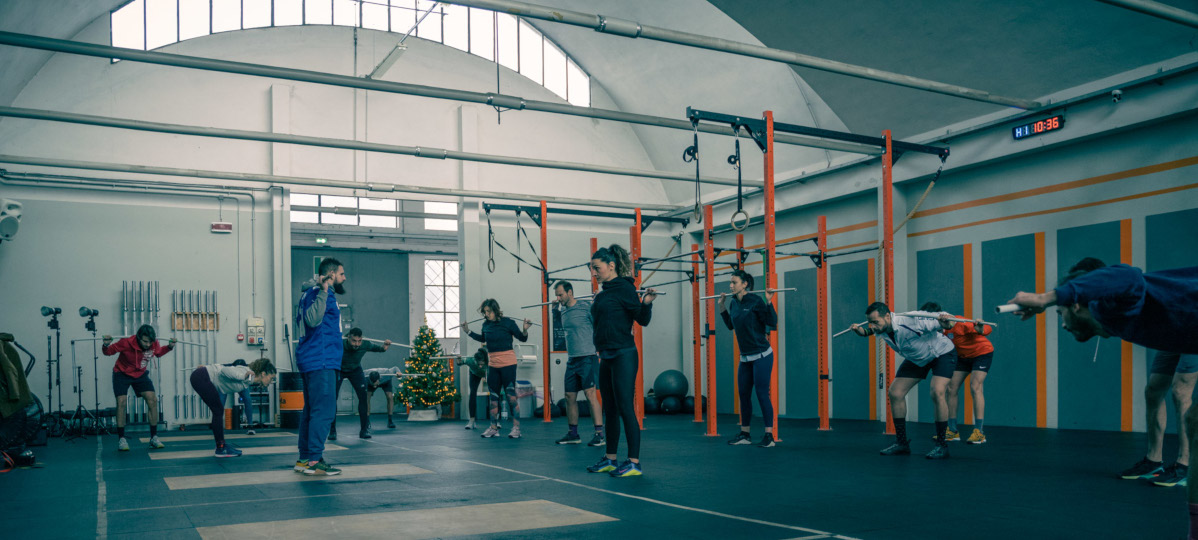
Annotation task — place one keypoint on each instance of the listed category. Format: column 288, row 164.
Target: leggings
column 474, row 380
column 503, row 378
column 756, row 374
column 357, row 379
column 213, row 399
column 617, row 386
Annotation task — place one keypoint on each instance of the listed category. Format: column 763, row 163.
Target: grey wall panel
column 725, row 364
column 940, row 275
column 1171, row 241
column 1089, row 391
column 1010, row 388
column 848, row 296
column 802, row 376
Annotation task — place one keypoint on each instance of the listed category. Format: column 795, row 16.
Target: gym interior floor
column 432, row 480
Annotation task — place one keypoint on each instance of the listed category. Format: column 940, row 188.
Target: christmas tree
column 437, row 385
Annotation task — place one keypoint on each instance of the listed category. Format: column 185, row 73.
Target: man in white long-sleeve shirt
column 922, row 344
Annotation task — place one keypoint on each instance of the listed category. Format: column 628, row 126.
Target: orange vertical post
column 638, row 333
column 875, row 382
column 595, row 290
column 546, row 322
column 740, row 260
column 821, row 327
column 1041, row 339
column 771, row 274
column 964, row 388
column 709, row 274
column 594, row 280
column 888, row 261
column 1126, row 351
column 697, row 338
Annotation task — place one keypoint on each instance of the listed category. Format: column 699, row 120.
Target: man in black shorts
column 382, row 378
column 924, row 347
column 132, row 370
column 582, row 368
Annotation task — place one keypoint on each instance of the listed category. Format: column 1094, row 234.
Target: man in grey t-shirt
column 582, row 368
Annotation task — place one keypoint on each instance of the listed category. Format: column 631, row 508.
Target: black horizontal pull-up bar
column 569, row 268
column 756, row 128
column 535, row 213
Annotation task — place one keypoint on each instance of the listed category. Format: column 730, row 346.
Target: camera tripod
column 76, row 428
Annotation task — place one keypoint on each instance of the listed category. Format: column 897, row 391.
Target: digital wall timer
column 1038, row 127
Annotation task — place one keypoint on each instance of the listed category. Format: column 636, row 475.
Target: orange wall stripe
column 1056, row 210
column 1131, row 173
column 873, row 351
column 1126, row 351
column 1041, row 342
column 968, row 279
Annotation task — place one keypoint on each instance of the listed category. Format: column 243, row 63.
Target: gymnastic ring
column 734, row 220
column 491, row 265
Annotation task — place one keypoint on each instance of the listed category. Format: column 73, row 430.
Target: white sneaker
column 122, row 445
column 470, row 424
column 515, row 433
column 491, row 432
column 156, row 444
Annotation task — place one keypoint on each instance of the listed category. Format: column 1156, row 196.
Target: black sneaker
column 897, row 449
column 364, row 434
column 1145, row 469
column 322, row 469
column 390, row 424
column 939, row 451
column 1174, row 475
column 741, row 438
column 597, row 440
column 570, row 438
column 767, row 441
column 333, row 433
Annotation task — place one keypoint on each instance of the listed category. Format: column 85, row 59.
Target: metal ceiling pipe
column 347, row 211
column 1159, row 10
column 491, row 99
column 318, row 182
column 632, row 29
column 324, row 142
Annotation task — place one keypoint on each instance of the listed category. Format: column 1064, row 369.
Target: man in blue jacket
column 1158, row 310
column 318, row 357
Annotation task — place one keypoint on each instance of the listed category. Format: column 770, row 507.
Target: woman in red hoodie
column 974, row 356
column 131, row 369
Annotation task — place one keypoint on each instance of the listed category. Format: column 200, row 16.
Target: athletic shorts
column 581, row 372
column 1168, row 363
column 122, row 382
column 385, row 386
column 942, row 366
column 978, row 363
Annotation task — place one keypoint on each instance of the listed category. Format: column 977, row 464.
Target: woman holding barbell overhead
column 498, row 332
column 614, row 310
column 752, row 318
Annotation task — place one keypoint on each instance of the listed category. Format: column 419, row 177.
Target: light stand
column 54, row 425
column 75, row 428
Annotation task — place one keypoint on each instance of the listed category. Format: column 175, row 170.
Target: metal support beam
column 632, row 29
column 534, row 212
column 325, row 142
column 1159, row 10
column 273, row 179
column 316, row 77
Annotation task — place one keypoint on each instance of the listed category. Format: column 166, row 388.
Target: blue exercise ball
column 671, row 383
column 671, row 405
column 652, row 404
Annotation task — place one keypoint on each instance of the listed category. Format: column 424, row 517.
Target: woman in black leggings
column 614, row 310
column 752, row 318
column 214, row 382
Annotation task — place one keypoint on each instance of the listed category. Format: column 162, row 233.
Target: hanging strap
column 493, row 242
column 689, row 155
column 734, row 160
column 932, row 184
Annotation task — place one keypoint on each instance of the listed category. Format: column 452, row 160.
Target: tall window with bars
column 441, row 297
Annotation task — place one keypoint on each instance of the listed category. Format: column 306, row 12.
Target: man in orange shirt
column 974, row 355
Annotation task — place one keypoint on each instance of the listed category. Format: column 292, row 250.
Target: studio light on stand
column 54, row 423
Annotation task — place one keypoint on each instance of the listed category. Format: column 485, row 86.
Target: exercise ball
column 688, row 404
column 671, row 383
column 652, row 404
column 671, row 405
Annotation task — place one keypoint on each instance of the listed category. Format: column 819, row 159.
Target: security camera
column 1116, row 96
